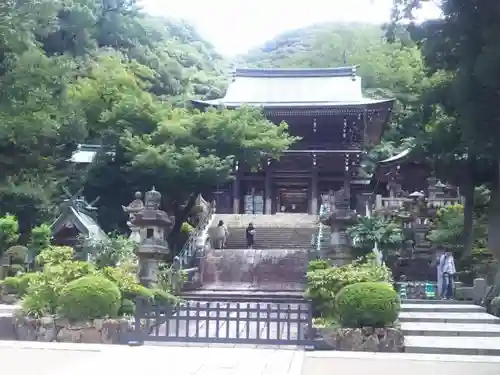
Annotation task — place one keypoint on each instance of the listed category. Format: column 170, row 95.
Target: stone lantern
column 339, row 219
column 153, row 226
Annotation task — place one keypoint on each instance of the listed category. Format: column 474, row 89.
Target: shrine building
column 326, row 108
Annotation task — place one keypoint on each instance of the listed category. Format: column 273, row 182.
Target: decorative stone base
column 360, row 339
column 105, row 331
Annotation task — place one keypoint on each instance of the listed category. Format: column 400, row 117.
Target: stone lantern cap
column 417, row 194
column 151, row 215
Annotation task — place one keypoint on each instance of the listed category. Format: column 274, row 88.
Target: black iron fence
column 242, row 321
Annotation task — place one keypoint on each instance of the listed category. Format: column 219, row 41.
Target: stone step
column 442, row 307
column 435, row 301
column 448, row 317
column 453, row 345
column 450, row 329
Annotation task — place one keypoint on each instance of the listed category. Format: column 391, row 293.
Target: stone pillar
column 236, row 195
column 268, row 193
column 314, row 192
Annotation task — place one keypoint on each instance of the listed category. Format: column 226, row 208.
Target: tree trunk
column 181, row 215
column 468, row 229
column 494, row 218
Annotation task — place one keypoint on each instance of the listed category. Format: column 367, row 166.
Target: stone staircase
column 449, row 327
column 282, row 231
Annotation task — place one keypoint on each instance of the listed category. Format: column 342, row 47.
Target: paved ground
column 82, row 359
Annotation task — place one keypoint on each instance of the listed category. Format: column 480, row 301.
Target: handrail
column 188, row 251
column 323, row 209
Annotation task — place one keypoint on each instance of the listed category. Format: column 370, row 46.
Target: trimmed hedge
column 89, row 297
column 367, row 304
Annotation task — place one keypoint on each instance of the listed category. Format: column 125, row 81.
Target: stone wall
column 47, row 329
column 360, row 339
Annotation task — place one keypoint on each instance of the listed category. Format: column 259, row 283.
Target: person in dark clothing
column 250, row 234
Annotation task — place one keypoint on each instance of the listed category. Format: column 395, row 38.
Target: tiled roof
column 295, row 88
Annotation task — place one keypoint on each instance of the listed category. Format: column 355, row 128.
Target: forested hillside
column 103, row 72
column 388, row 70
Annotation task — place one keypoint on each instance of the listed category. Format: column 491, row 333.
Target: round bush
column 89, row 297
column 367, row 304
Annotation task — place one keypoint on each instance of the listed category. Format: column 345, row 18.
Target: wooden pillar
column 268, row 192
column 314, row 191
column 236, row 194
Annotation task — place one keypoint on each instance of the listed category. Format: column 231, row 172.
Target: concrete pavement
column 26, row 358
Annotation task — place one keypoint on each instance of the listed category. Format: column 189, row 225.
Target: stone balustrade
column 399, row 203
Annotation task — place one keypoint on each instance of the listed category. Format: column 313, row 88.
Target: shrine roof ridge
column 347, row 71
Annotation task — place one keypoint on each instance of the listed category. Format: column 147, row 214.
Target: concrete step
column 435, row 301
column 448, row 317
column 453, row 345
column 450, row 329
column 436, row 307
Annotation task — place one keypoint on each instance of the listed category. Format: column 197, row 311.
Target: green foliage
column 54, row 255
column 324, row 284
column 367, row 304
column 127, row 283
column 162, row 297
column 375, row 229
column 111, row 252
column 448, row 226
column 9, row 232
column 10, row 285
column 127, row 308
column 39, row 239
column 117, row 70
column 319, row 264
column 187, row 228
column 17, row 254
column 88, row 298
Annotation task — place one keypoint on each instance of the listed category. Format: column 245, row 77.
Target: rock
column 7, row 328
column 106, row 331
column 8, row 299
column 365, row 339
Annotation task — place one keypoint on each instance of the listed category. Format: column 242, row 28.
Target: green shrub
column 162, row 297
column 367, row 304
column 127, row 308
column 324, row 284
column 17, row 254
column 10, row 285
column 54, row 255
column 24, row 283
column 127, row 283
column 315, row 265
column 89, row 297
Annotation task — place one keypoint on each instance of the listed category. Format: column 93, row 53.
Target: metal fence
column 242, row 321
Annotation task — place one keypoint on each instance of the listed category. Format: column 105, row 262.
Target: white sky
column 235, row 26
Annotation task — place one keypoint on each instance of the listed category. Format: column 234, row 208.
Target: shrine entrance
column 293, row 200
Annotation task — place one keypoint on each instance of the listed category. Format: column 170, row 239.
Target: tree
column 466, row 43
column 86, row 71
column 192, row 152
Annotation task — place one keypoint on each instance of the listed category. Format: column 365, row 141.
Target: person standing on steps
column 221, row 235
column 447, row 265
column 250, row 235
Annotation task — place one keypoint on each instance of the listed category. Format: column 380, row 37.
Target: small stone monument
column 153, row 226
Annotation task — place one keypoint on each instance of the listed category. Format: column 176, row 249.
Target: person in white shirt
column 221, row 234
column 447, row 270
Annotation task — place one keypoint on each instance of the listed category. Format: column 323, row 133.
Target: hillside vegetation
column 104, row 72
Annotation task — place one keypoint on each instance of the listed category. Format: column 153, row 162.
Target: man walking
column 447, row 265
